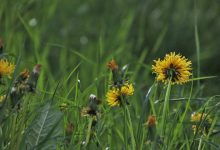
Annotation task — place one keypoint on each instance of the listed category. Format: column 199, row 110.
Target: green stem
column 89, row 131
column 130, row 127
column 197, row 43
column 125, row 128
column 165, row 108
column 200, row 143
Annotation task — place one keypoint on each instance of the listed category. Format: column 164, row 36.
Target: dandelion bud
column 36, row 69
column 151, row 127
column 34, row 78
column 151, row 122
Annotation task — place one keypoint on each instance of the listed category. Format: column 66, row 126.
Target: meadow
column 109, row 75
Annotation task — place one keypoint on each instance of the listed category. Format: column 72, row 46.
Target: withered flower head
column 87, row 111
column 112, row 65
column 25, row 74
column 37, row 68
column 151, row 122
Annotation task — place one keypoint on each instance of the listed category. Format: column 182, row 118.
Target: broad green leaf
column 45, row 129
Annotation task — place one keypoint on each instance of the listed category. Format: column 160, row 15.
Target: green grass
column 73, row 41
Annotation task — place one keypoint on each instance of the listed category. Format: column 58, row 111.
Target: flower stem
column 125, row 128
column 200, row 143
column 89, row 131
column 196, row 34
column 130, row 127
column 165, row 108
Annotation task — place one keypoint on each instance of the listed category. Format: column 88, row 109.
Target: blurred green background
column 62, row 34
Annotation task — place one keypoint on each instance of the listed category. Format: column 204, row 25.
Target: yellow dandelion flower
column 112, row 65
column 113, row 97
column 199, row 117
column 173, row 67
column 127, row 89
column 6, row 68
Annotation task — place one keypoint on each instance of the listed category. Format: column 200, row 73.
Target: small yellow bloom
column 114, row 95
column 127, row 89
column 197, row 118
column 6, row 68
column 174, row 68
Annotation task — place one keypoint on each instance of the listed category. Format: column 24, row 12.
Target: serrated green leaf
column 45, row 129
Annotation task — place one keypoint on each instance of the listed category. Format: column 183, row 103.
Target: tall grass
column 73, row 41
